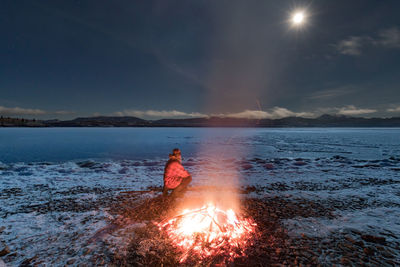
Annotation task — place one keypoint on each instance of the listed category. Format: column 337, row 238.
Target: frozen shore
column 341, row 209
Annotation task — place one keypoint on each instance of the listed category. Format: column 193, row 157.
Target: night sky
column 155, row 59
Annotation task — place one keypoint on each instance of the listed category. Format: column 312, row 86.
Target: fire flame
column 208, row 231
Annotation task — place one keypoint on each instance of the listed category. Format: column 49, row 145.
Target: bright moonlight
column 298, row 18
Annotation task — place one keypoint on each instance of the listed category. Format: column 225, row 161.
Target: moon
column 298, row 18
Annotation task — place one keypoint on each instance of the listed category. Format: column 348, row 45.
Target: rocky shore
column 310, row 211
column 272, row 244
column 128, row 236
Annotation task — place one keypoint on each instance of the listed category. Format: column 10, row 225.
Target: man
column 175, row 176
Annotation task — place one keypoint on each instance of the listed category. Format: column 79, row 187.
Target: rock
column 247, row 166
column 351, row 240
column 70, row 252
column 250, row 189
column 4, row 251
column 27, row 262
column 359, row 243
column 269, row 166
column 300, row 163
column 354, row 231
column 124, row 170
column 369, row 251
column 86, row 251
column 3, row 167
column 70, row 261
column 388, row 255
column 374, row 239
column 86, row 164
column 150, row 163
column 344, row 261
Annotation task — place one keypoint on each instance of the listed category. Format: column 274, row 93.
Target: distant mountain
column 100, row 121
column 332, row 121
column 322, row 121
column 104, row 121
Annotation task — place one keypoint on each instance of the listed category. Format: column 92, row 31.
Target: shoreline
column 127, row 234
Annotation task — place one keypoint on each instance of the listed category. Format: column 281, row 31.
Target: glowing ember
column 208, row 231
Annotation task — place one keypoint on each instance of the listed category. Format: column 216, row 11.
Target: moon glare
column 298, row 18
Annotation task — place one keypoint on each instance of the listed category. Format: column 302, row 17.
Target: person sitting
column 175, row 176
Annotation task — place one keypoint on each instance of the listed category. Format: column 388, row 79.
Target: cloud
column 397, row 109
column 20, row 111
column 352, row 110
column 334, row 92
column 390, row 38
column 274, row 113
column 354, row 45
column 351, row 46
column 247, row 114
column 159, row 114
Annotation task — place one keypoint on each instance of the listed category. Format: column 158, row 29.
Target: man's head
column 176, row 153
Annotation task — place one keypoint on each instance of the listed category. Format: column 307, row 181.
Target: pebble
column 247, row 166
column 86, row 164
column 27, row 262
column 369, row 251
column 348, row 238
column 86, row 251
column 124, row 170
column 4, row 251
column 344, row 261
column 269, row 166
column 70, row 261
column 387, row 255
column 374, row 239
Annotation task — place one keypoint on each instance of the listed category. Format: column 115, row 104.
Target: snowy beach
column 335, row 191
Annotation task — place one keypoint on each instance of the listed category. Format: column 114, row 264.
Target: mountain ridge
column 325, row 120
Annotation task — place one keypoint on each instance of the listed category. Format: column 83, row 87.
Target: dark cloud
column 352, row 110
column 18, row 111
column 395, row 109
column 389, row 38
column 354, row 45
column 159, row 114
column 330, row 93
column 198, row 57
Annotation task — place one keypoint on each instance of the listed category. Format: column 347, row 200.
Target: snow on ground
column 50, row 210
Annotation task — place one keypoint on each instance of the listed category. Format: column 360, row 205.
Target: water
column 63, row 144
column 357, row 171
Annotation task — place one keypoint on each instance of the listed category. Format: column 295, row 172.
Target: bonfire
column 208, row 232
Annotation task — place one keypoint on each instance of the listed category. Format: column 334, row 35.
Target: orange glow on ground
column 209, row 231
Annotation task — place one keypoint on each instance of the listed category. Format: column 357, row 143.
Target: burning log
column 207, row 232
